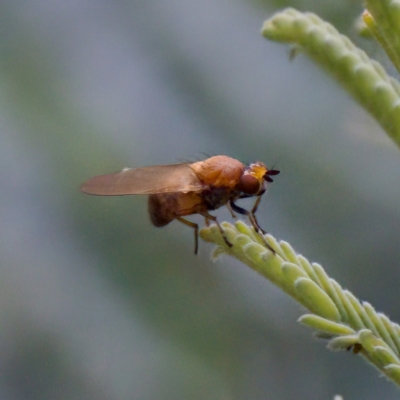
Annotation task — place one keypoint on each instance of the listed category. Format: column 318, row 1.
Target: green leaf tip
column 364, row 78
column 373, row 343
column 345, row 342
column 393, row 372
column 324, row 325
column 315, row 299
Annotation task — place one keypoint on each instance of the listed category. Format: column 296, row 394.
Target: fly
column 178, row 190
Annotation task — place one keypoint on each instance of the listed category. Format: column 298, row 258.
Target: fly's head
column 254, row 180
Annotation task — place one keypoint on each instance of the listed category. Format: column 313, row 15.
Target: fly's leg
column 249, row 214
column 253, row 219
column 196, row 231
column 208, row 216
column 234, row 216
column 253, row 214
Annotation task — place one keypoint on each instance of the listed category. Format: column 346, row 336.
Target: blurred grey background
column 98, row 304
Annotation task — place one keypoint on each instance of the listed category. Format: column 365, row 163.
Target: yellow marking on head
column 258, row 170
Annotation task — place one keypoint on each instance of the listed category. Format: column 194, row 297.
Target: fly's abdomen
column 161, row 208
column 164, row 207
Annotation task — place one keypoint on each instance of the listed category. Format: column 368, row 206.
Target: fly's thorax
column 219, row 171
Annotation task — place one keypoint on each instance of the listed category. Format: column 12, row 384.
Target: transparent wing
column 146, row 180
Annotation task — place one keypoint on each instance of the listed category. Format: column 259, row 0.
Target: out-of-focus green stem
column 376, row 32
column 363, row 78
column 386, row 18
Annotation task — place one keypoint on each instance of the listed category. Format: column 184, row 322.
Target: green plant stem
column 336, row 314
column 364, row 78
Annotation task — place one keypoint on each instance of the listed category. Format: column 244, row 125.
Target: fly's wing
column 146, row 180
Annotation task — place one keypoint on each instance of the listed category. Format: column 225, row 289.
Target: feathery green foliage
column 336, row 314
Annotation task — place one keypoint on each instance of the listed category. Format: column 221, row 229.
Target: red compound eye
column 249, row 184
